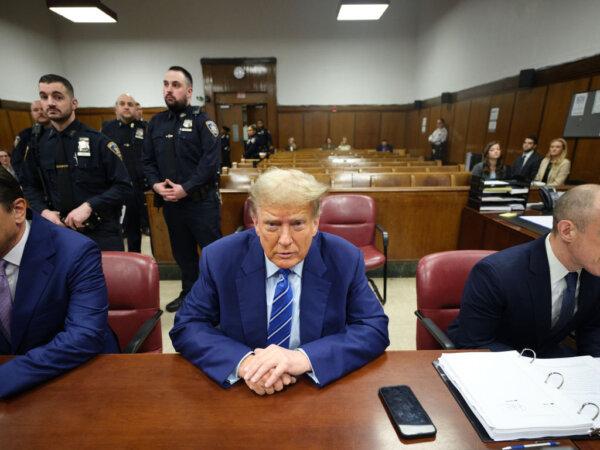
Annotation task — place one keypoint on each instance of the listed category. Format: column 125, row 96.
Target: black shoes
column 175, row 304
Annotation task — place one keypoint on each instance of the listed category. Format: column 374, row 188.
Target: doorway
column 237, row 117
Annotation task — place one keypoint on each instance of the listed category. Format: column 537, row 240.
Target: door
column 231, row 116
column 256, row 113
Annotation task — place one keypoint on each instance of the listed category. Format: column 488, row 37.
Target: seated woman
column 344, row 145
column 291, row 145
column 385, row 146
column 492, row 167
column 555, row 167
column 328, row 145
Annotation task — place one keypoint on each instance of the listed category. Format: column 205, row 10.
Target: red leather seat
column 352, row 217
column 441, row 278
column 134, row 300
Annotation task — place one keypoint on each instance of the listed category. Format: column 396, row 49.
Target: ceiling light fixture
column 362, row 9
column 83, row 11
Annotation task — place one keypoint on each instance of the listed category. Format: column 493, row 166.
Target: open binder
column 508, row 396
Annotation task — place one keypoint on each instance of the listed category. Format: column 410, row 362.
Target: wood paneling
column 341, row 124
column 505, row 103
column 91, row 120
column 558, row 102
column 7, row 137
column 257, row 86
column 527, row 116
column 367, row 127
column 458, row 131
column 393, row 126
column 478, row 120
column 586, row 163
column 316, row 128
column 412, row 129
column 19, row 120
column 291, row 124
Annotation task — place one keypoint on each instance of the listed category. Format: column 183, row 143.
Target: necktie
column 64, row 186
column 568, row 301
column 5, row 301
column 280, row 322
column 171, row 153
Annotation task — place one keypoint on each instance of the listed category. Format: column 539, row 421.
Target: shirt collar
column 272, row 269
column 557, row 270
column 15, row 254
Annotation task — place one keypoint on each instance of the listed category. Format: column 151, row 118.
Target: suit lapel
column 315, row 293
column 539, row 289
column 251, row 286
column 587, row 298
column 34, row 272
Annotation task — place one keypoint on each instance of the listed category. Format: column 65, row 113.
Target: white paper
column 544, row 221
column 423, row 124
column 492, row 126
column 579, row 104
column 596, row 106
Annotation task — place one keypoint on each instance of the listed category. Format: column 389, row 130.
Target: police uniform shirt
column 184, row 147
column 252, row 147
column 130, row 139
column 265, row 137
column 20, row 145
column 97, row 173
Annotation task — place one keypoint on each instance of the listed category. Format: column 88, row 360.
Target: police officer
column 128, row 133
column 252, row 147
column 75, row 177
column 265, row 141
column 225, row 147
column 40, row 124
column 182, row 156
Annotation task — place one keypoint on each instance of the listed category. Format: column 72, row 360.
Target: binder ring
column 529, row 350
column 590, row 404
column 562, row 381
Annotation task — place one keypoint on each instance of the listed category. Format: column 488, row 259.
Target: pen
column 534, row 445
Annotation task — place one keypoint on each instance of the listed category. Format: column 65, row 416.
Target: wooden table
column 489, row 231
column 162, row 401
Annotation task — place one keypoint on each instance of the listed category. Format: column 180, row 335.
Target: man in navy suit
column 53, row 299
column 534, row 295
column 282, row 299
column 526, row 166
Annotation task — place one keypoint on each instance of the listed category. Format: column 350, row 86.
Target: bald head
column 580, row 205
column 125, row 108
column 37, row 113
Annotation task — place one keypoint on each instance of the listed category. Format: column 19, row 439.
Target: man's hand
column 76, row 218
column 277, row 361
column 175, row 193
column 259, row 386
column 52, row 216
column 161, row 188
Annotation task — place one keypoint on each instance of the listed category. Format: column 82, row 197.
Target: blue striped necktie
column 280, row 322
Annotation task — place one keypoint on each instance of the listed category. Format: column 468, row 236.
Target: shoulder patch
column 212, row 127
column 17, row 140
column 115, row 149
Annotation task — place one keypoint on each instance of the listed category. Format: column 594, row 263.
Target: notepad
column 516, row 397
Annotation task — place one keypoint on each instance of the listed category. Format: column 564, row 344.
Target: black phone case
column 395, row 399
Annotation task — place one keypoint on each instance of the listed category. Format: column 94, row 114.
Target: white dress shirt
column 438, row 136
column 13, row 259
column 295, row 281
column 558, row 284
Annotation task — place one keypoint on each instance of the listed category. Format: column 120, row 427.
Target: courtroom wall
column 28, row 48
column 469, row 42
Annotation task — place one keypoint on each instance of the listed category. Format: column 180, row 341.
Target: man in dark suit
column 53, row 299
column 535, row 294
column 526, row 166
column 282, row 299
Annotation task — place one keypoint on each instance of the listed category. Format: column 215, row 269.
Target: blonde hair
column 287, row 188
column 563, row 154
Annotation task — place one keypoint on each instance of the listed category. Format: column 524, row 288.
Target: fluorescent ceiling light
column 362, row 10
column 83, row 11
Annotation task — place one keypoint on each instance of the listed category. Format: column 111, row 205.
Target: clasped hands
column 75, row 219
column 270, row 369
column 169, row 191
